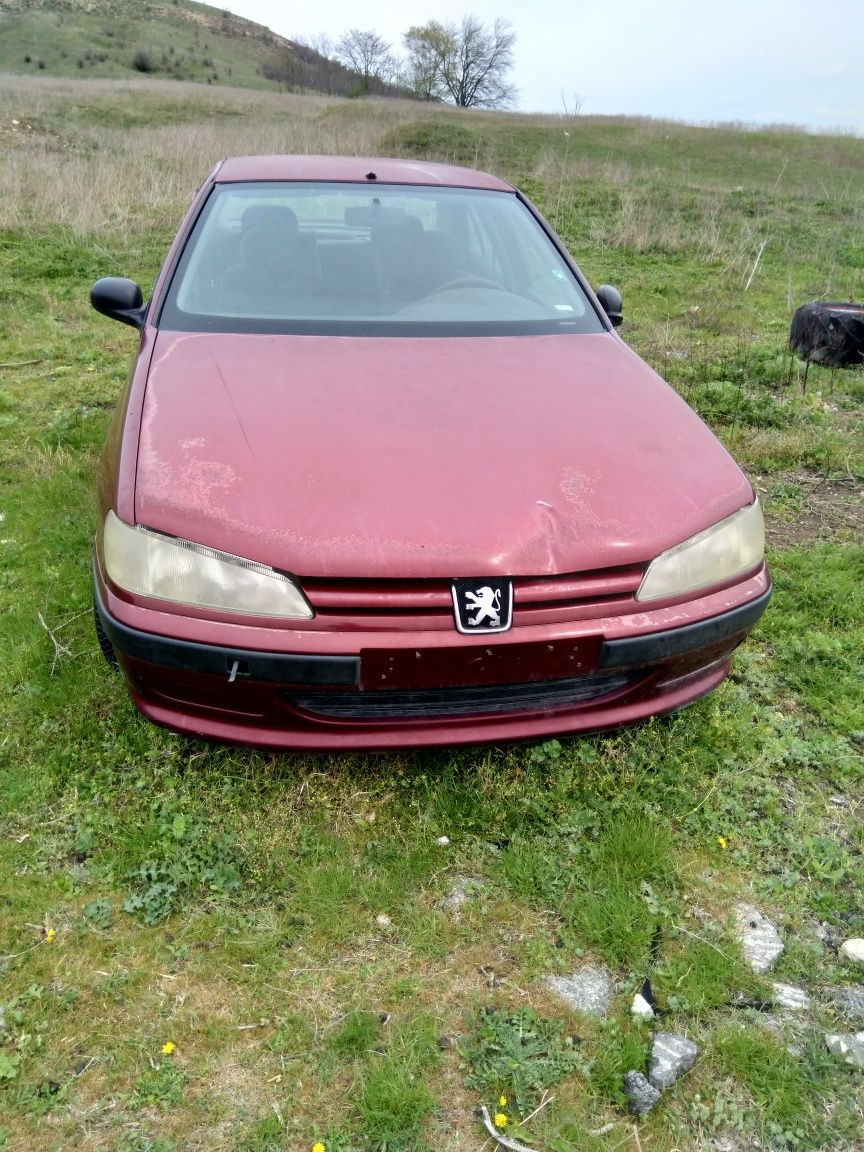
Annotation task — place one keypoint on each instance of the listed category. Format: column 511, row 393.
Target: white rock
column 671, row 1057
column 790, row 997
column 383, row 921
column 850, row 1047
column 443, row 841
column 587, row 990
column 463, row 889
column 759, row 939
column 640, row 1007
column 849, row 1001
column 853, row 950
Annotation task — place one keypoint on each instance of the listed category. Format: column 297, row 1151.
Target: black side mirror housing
column 610, row 302
column 120, row 299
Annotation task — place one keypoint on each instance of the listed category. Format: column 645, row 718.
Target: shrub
column 433, row 139
column 141, row 62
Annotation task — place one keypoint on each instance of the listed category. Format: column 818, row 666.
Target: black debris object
column 647, row 994
column 829, row 333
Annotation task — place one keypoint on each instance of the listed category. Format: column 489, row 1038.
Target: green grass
column 788, row 1091
column 230, row 902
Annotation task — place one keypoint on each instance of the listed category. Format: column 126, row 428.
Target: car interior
column 251, row 258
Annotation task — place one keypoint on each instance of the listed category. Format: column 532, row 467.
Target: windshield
column 385, row 259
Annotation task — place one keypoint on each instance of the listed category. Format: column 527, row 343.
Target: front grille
column 428, row 603
column 483, row 700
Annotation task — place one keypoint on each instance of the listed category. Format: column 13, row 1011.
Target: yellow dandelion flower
column 319, row 1147
column 722, row 841
column 168, row 1048
column 502, row 1101
column 500, row 1120
column 49, row 935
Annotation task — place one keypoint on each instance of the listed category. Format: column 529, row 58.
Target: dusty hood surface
column 386, row 457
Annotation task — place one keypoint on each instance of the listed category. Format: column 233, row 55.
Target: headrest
column 267, row 246
column 270, row 216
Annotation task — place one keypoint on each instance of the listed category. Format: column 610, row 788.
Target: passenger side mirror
column 610, row 302
column 120, row 299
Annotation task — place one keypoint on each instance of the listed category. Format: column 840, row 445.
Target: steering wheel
column 468, row 281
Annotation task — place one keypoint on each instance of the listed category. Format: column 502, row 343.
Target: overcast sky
column 758, row 61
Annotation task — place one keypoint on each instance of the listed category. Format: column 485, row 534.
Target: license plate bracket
column 476, row 664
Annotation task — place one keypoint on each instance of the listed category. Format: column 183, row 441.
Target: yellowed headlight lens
column 148, row 564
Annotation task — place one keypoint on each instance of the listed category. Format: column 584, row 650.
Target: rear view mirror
column 120, row 299
column 610, row 302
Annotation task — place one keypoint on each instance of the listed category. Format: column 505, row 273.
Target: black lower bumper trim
column 476, row 700
column 658, row 646
column 187, row 656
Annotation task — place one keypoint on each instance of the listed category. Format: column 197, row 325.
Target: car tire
column 829, row 333
column 105, row 645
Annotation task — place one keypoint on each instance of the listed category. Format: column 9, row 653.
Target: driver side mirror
column 610, row 302
column 120, row 299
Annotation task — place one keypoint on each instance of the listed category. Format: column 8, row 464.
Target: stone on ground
column 853, row 950
column 849, row 1001
column 671, row 1057
column 460, row 893
column 641, row 1096
column 759, row 939
column 791, row 998
column 586, row 990
column 641, row 1008
column 850, row 1047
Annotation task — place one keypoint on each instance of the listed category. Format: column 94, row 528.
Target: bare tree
column 285, row 69
column 468, row 64
column 367, row 54
column 571, row 111
column 321, row 70
column 322, row 44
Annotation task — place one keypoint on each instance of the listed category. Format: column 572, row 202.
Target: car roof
column 353, row 168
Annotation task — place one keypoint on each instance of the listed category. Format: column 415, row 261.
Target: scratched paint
column 352, row 457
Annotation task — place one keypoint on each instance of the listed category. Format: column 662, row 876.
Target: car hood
column 381, row 457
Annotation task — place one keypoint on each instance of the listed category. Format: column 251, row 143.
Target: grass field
column 210, row 948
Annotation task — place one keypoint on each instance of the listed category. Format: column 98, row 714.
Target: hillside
column 180, row 40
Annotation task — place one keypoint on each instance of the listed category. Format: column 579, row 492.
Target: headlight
column 148, row 564
column 734, row 546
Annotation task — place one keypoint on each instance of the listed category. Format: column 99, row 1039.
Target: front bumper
column 629, row 668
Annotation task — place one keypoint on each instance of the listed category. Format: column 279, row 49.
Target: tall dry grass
column 102, row 156
column 109, row 156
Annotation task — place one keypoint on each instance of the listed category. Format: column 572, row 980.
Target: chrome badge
column 483, row 605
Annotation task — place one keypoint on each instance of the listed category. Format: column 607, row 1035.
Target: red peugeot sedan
column 384, row 475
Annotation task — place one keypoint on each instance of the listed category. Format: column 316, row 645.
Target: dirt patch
column 803, row 508
column 15, row 131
